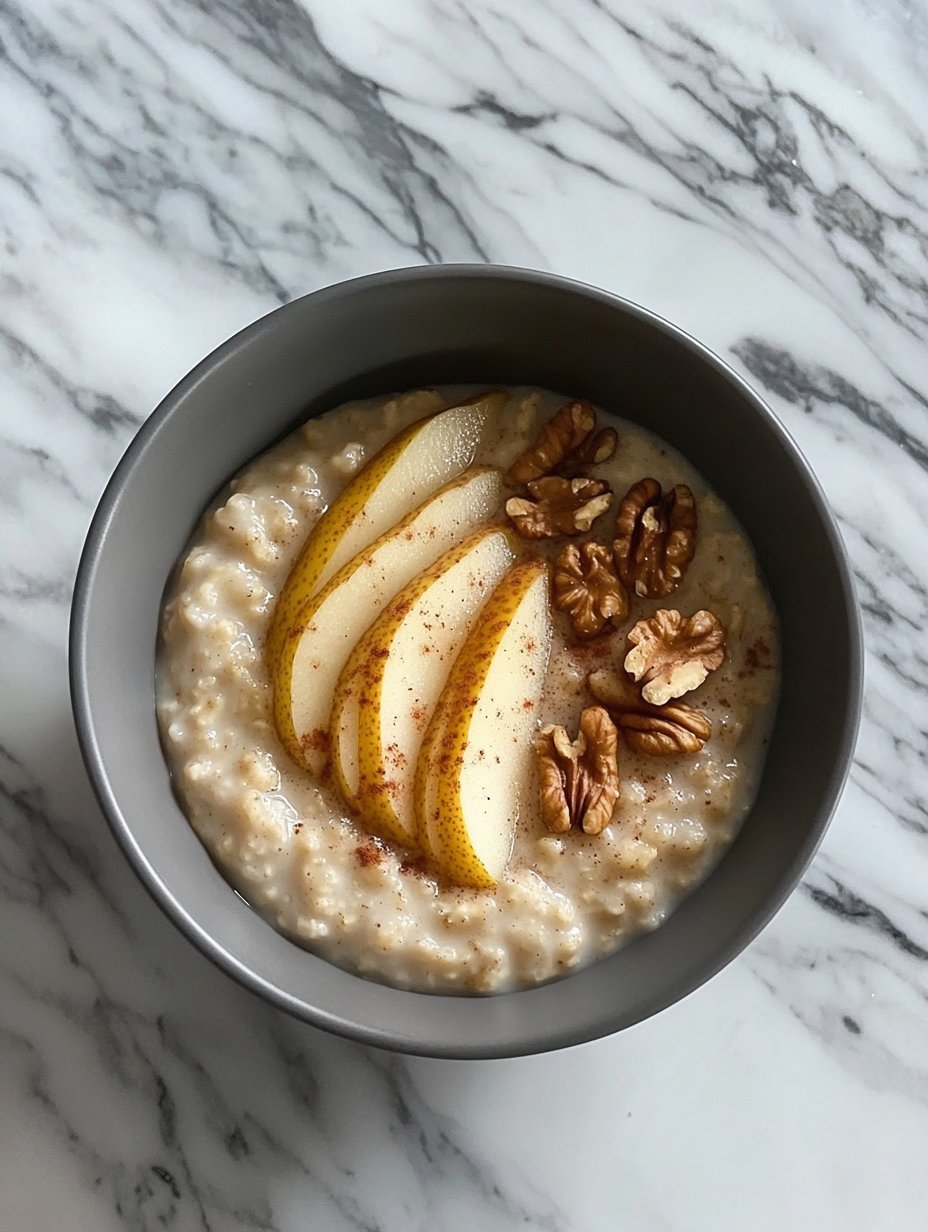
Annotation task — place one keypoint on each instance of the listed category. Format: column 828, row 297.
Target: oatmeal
column 684, row 706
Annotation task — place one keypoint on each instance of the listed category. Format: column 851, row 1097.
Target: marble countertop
column 170, row 171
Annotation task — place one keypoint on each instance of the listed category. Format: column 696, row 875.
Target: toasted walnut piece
column 659, row 731
column 587, row 589
column 559, row 507
column 672, row 654
column 579, row 779
column 597, row 448
column 569, row 428
column 655, row 537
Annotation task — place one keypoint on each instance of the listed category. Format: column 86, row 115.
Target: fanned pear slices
column 409, row 468
column 308, row 663
column 477, row 752
column 390, row 685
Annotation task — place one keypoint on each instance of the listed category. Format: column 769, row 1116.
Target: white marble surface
column 172, row 169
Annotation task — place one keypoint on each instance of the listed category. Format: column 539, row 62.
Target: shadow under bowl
column 443, row 325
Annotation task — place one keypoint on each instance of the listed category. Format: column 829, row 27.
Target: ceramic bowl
column 441, row 325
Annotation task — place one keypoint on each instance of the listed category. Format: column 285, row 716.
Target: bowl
column 444, row 325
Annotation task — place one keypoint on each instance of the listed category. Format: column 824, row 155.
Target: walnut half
column 587, row 589
column 660, row 731
column 558, row 507
column 568, row 441
column 597, row 448
column 579, row 779
column 672, row 654
column 655, row 537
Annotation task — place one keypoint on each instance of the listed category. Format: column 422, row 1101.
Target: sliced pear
column 477, row 753
column 309, row 661
column 391, row 683
column 409, row 468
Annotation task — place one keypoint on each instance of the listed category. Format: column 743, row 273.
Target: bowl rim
column 94, row 547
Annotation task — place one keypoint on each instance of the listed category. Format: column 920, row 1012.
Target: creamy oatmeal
column 286, row 840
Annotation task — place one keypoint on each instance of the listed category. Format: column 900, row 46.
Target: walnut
column 673, row 654
column 655, row 537
column 587, row 589
column 598, row 447
column 579, row 780
column 559, row 507
column 569, row 428
column 658, row 730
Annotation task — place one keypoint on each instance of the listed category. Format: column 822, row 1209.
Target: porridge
column 492, row 715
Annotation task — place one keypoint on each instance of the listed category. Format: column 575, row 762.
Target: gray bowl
column 443, row 325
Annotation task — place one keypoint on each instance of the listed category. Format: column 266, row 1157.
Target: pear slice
column 308, row 663
column 409, row 468
column 391, row 683
column 476, row 757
